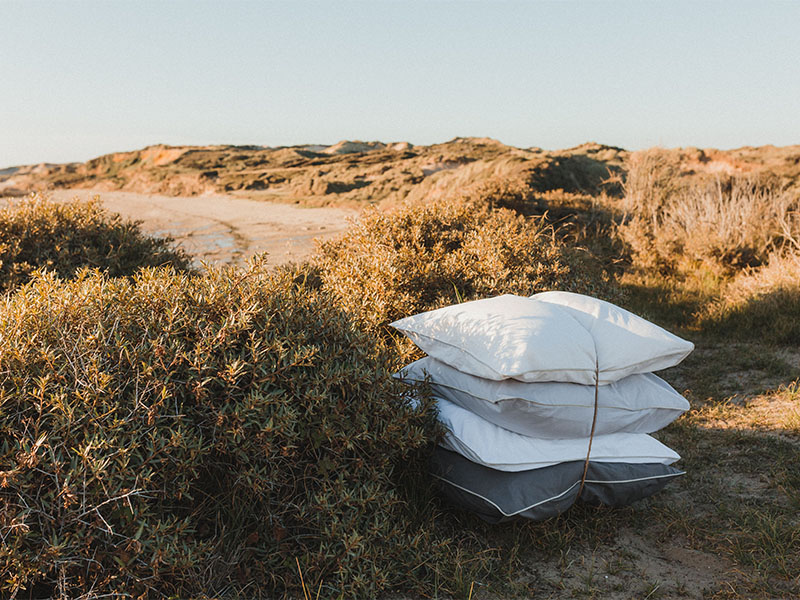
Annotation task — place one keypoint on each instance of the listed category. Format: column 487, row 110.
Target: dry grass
column 736, row 222
column 650, row 182
column 759, row 303
column 775, row 411
column 672, row 225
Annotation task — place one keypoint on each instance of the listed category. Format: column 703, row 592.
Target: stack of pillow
column 527, row 386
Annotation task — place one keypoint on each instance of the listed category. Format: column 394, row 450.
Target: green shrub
column 424, row 256
column 178, row 435
column 64, row 236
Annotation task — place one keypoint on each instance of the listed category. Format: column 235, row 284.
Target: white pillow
column 625, row 343
column 635, row 404
column 497, row 448
column 538, row 339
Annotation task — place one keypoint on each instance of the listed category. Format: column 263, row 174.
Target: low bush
column 513, row 193
column 64, row 236
column 170, row 434
column 424, row 256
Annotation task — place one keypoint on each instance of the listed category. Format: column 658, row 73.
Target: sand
column 224, row 229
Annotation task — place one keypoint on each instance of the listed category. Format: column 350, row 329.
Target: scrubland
column 234, row 432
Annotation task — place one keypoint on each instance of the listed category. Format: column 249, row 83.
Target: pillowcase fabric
column 625, row 342
column 640, row 403
column 539, row 494
column 488, row 444
column 543, row 339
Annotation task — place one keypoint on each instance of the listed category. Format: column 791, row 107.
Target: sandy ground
column 224, row 229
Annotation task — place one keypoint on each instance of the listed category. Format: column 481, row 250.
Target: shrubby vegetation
column 63, row 237
column 427, row 255
column 721, row 251
column 182, row 433
column 179, row 434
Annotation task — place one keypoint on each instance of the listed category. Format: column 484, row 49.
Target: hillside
column 351, row 174
column 345, row 174
column 103, row 365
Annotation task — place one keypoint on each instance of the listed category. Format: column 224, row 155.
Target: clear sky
column 80, row 79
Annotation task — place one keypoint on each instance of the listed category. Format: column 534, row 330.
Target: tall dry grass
column 762, row 303
column 672, row 222
column 651, row 181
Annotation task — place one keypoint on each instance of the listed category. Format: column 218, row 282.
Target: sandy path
column 225, row 229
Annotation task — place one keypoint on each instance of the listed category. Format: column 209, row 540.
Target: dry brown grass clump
column 37, row 233
column 775, row 411
column 650, row 182
column 762, row 303
column 673, row 225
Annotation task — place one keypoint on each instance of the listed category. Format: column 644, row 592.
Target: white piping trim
column 500, row 510
column 635, row 480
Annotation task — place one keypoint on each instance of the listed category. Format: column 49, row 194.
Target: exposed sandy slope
column 224, row 229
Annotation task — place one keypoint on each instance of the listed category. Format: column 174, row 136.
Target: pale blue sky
column 80, row 79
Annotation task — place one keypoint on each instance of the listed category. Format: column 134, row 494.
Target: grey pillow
column 539, row 494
